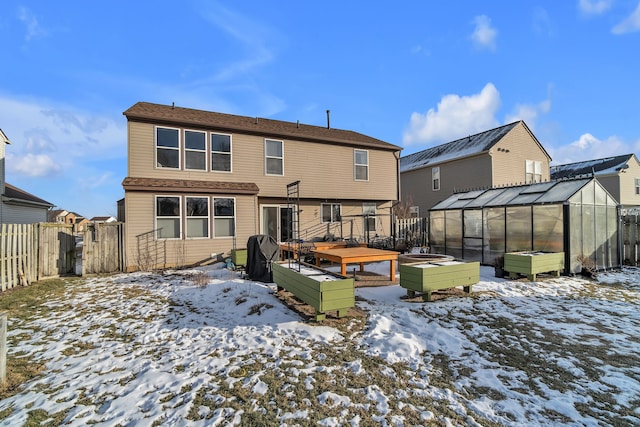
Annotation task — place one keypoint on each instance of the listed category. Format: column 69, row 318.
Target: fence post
column 3, row 347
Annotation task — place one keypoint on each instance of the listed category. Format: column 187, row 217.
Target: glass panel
column 221, row 143
column 221, row 162
column 548, row 228
column 168, row 228
column 336, row 212
column 601, row 195
column 223, row 207
column 601, row 242
column 473, row 223
column 588, row 194
column 197, row 227
column 575, row 237
column 588, row 232
column 519, row 228
column 168, row 206
column 361, row 157
column 195, row 160
column 194, row 140
column 436, row 231
column 274, row 166
column 274, row 148
column 453, row 227
column 612, row 233
column 472, row 249
column 326, row 213
column 361, row 172
column 494, row 236
column 168, row 158
column 167, row 138
column 224, row 227
column 197, row 206
column 286, row 224
column 270, row 221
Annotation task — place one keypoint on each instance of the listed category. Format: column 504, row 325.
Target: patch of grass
column 259, row 308
column 40, row 417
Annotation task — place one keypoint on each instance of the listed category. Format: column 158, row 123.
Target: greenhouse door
column 276, row 222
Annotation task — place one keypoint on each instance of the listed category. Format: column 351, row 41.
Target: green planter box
column 239, row 257
column 532, row 263
column 322, row 290
column 432, row 276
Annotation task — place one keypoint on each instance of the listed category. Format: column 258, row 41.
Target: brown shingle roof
column 189, row 186
column 157, row 113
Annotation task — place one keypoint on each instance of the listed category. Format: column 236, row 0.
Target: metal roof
column 533, row 194
column 469, row 145
column 603, row 166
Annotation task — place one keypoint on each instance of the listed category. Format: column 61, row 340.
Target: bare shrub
column 200, row 279
column 588, row 265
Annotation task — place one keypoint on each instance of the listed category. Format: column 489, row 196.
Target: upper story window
column 274, row 157
column 167, row 148
column 331, row 212
column 638, row 186
column 197, row 216
column 224, row 217
column 168, row 217
column 195, row 150
column 435, row 178
column 220, row 152
column 533, row 172
column 361, row 165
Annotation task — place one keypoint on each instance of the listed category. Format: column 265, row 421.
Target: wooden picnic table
column 360, row 255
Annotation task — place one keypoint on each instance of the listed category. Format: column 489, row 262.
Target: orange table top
column 356, row 254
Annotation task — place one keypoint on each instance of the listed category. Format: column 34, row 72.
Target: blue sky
column 412, row 73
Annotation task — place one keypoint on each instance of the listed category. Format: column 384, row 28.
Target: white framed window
column 435, row 178
column 331, row 212
column 168, row 217
column 414, row 211
column 197, row 217
column 273, row 157
column 220, row 152
column 369, row 217
column 167, row 148
column 361, row 165
column 195, row 150
column 533, row 171
column 224, row 217
column 637, row 186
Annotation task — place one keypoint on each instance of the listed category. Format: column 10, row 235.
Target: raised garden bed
column 532, row 263
column 432, row 276
column 322, row 290
column 239, row 257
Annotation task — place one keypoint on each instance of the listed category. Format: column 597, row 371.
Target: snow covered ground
column 161, row 349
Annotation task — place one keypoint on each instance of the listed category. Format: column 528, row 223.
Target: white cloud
column 630, row 24
column 594, row 7
column 542, row 23
column 33, row 27
column 454, row 117
column 588, row 147
column 33, row 165
column 530, row 112
column 484, row 35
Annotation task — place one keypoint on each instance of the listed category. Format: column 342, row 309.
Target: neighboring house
column 18, row 206
column 58, row 215
column 201, row 183
column 62, row 216
column 102, row 219
column 619, row 175
column 506, row 155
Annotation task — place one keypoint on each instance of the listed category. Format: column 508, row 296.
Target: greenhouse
column 577, row 217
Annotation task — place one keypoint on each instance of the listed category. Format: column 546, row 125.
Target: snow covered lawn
column 165, row 349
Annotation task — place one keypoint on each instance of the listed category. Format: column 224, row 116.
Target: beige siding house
column 201, row 183
column 506, row 155
column 619, row 175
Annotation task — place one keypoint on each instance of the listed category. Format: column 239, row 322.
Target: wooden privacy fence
column 32, row 252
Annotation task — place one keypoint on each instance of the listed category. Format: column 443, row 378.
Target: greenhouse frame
column 577, row 217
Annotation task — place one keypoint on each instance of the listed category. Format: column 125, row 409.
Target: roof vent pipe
column 298, row 124
column 256, row 119
column 328, row 119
